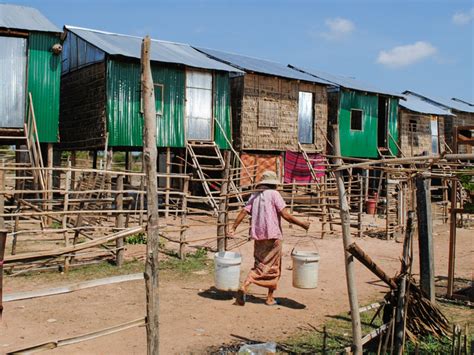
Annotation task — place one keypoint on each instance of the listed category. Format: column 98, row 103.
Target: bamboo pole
column 182, row 234
column 119, row 222
column 168, row 181
column 3, row 240
column 64, row 219
column 153, row 236
column 349, row 260
column 221, row 227
column 401, row 315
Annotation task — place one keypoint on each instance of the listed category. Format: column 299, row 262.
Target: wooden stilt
column 168, row 181
column 3, row 237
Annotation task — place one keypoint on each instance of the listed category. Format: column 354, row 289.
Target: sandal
column 240, row 298
column 275, row 303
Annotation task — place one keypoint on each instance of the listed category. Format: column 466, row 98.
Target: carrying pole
column 153, row 237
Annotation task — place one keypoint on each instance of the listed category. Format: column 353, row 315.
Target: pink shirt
column 265, row 207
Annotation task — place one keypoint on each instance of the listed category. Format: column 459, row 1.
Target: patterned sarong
column 267, row 268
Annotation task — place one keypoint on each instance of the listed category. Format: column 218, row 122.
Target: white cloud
column 338, row 28
column 403, row 56
column 463, row 18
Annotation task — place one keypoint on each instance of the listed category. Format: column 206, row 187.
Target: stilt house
column 367, row 117
column 30, row 68
column 422, row 126
column 101, row 93
column 462, row 115
column 276, row 112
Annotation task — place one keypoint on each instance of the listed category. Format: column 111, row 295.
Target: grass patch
column 86, row 272
column 172, row 266
column 139, row 238
column 338, row 331
column 196, row 261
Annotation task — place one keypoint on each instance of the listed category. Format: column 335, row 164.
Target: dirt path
column 193, row 317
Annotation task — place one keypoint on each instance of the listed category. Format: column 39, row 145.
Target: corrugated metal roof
column 25, row 18
column 416, row 104
column 161, row 51
column 444, row 103
column 263, row 66
column 346, row 82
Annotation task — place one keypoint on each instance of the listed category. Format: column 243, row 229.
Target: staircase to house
column 206, row 159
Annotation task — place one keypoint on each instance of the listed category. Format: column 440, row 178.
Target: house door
column 198, row 105
column 382, row 123
column 12, row 81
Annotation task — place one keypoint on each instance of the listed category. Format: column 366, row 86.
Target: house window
column 305, row 118
column 356, row 120
column 434, row 135
column 413, row 129
column 198, row 105
column 268, row 113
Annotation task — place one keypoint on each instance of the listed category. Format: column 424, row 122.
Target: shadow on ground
column 218, row 295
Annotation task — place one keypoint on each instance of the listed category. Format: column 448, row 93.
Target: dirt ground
column 194, row 317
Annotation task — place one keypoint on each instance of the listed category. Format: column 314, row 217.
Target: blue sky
column 424, row 45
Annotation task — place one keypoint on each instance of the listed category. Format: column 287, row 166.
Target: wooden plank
column 78, row 339
column 71, row 288
column 65, row 250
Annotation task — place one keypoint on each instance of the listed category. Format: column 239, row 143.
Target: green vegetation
column 56, row 225
column 193, row 262
column 338, row 330
column 139, row 238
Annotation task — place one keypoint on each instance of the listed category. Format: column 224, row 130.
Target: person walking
column 266, row 208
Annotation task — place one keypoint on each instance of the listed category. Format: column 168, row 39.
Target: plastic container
column 305, row 269
column 227, row 270
column 370, row 205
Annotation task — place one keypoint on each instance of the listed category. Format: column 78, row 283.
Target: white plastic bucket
column 305, row 269
column 227, row 270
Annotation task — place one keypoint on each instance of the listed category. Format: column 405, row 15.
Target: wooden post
column 221, row 227
column 347, row 240
column 452, row 239
column 74, row 165
column 182, row 234
column 67, row 184
column 3, row 236
column 94, row 159
column 292, row 202
column 153, row 236
column 128, row 166
column 401, row 300
column 168, row 181
column 119, row 221
column 425, row 237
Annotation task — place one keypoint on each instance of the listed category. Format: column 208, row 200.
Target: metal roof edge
column 347, row 87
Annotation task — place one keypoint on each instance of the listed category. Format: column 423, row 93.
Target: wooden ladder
column 206, row 158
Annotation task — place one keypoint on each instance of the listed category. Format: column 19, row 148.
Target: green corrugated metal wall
column 44, row 75
column 222, row 110
column 358, row 143
column 363, row 144
column 125, row 122
column 393, row 126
